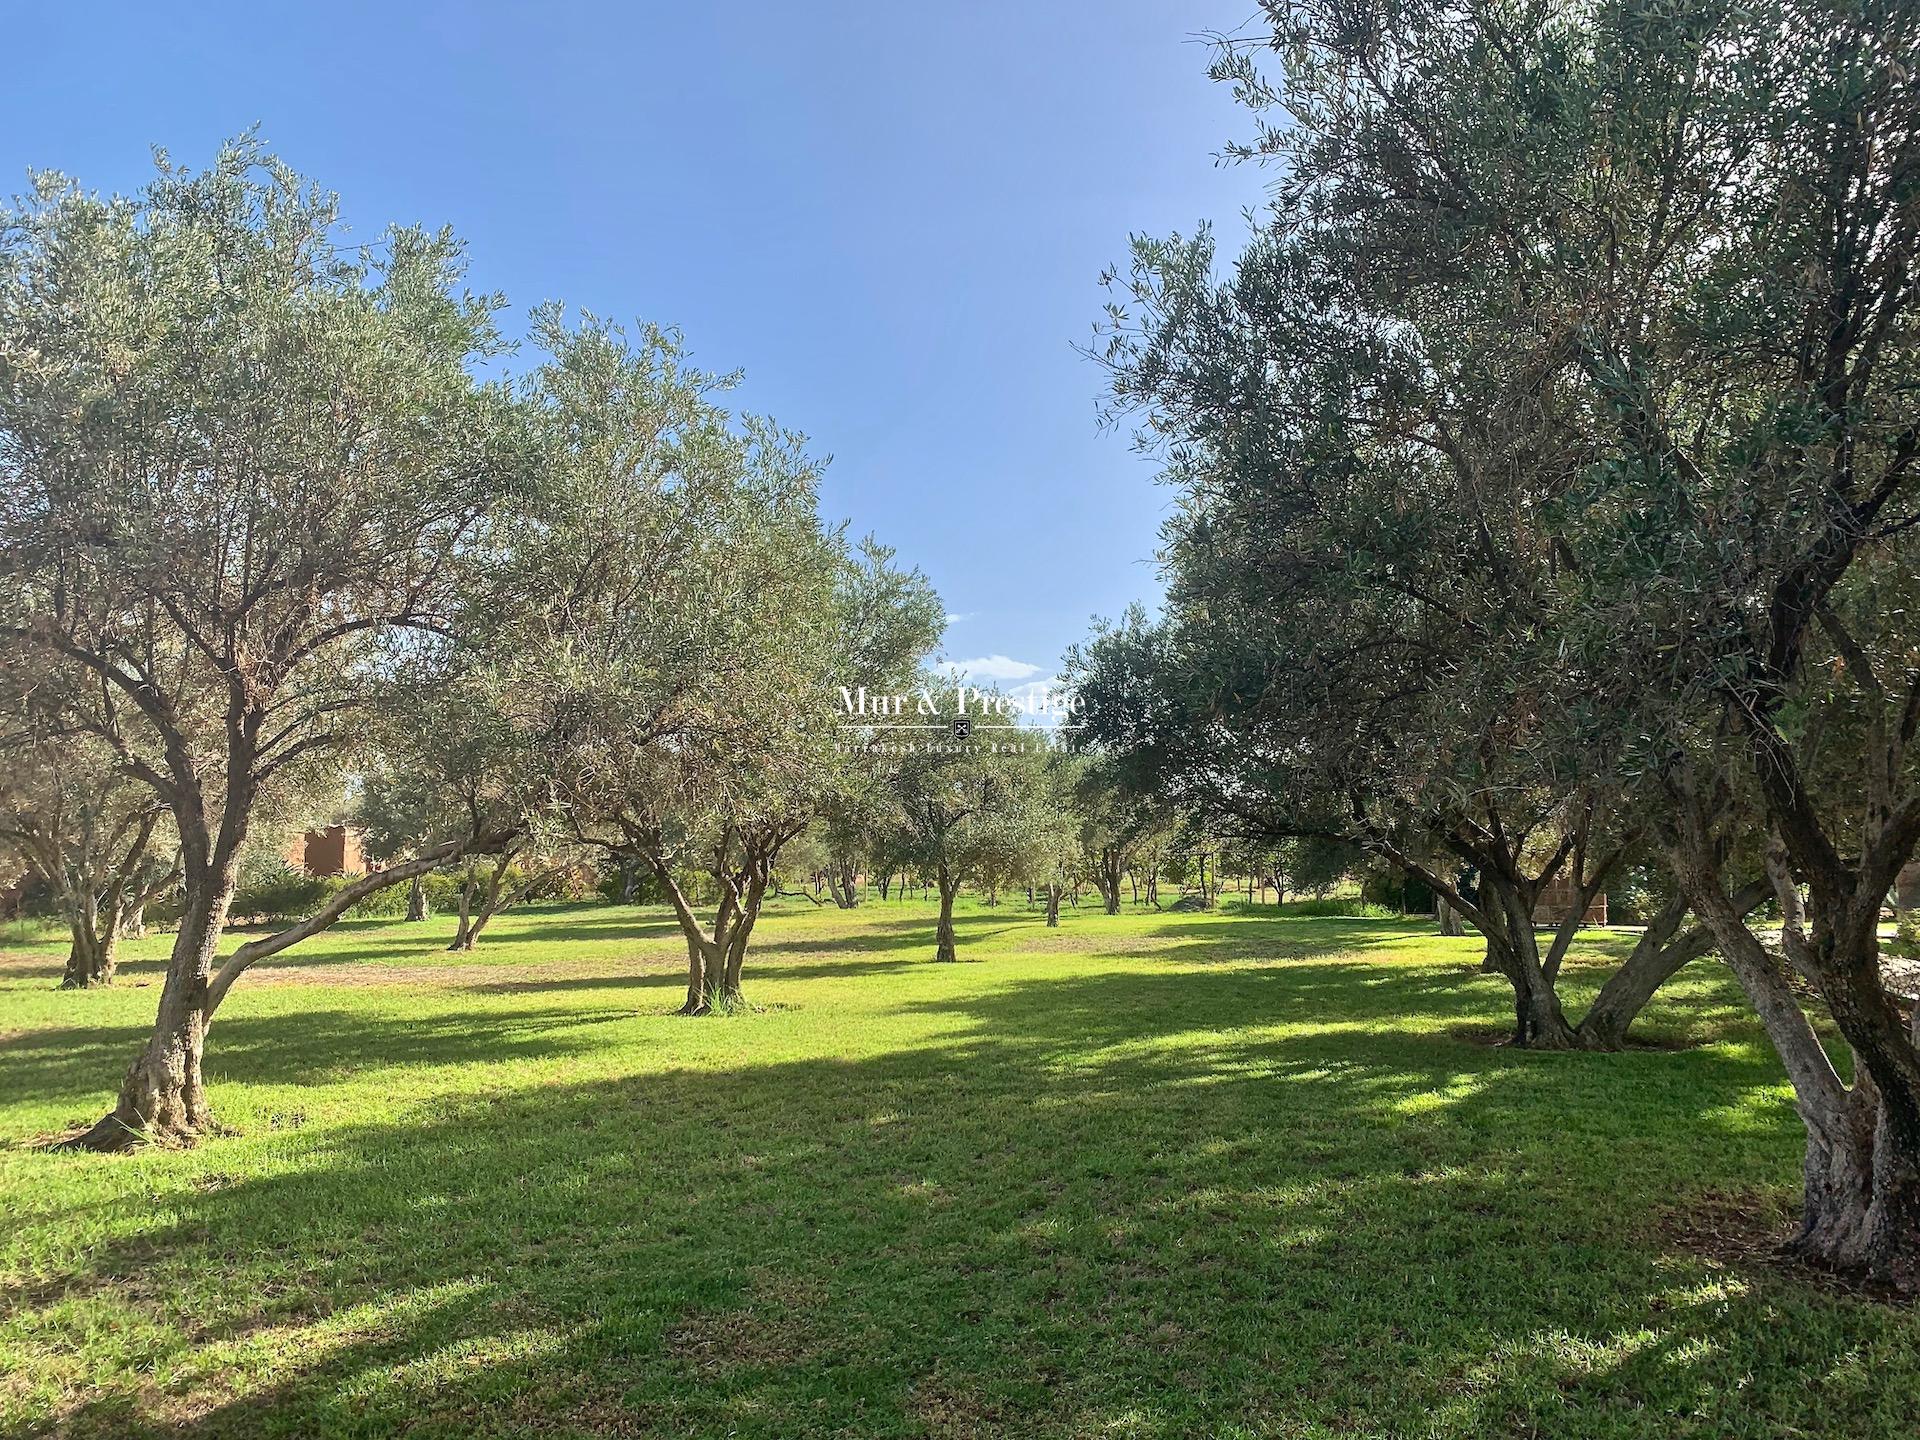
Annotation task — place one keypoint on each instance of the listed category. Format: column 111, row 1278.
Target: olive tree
column 93, row 835
column 681, row 625
column 1692, row 230
column 1380, row 442
column 1747, row 549
column 242, row 459
column 963, row 806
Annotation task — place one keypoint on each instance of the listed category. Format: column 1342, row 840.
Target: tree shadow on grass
column 1091, row 1204
column 384, row 939
column 975, row 931
column 308, row 1047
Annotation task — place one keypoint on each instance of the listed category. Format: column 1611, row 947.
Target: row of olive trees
column 262, row 521
column 1549, row 506
column 1010, row 807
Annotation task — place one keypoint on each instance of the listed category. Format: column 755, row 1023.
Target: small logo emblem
column 962, row 727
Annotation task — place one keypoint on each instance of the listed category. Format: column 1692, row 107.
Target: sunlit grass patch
column 1149, row 1174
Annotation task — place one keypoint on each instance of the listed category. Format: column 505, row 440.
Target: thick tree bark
column 1861, row 1174
column 1657, row 956
column 1494, row 928
column 95, row 930
column 494, row 899
column 1502, row 910
column 1450, row 922
column 1053, row 905
column 715, row 962
column 1663, row 950
column 1539, row 1022
column 417, row 899
column 1107, row 878
column 703, row 965
column 944, row 947
column 840, row 885
column 463, row 930
column 755, row 890
column 163, row 1096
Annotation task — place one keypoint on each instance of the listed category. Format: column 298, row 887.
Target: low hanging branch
column 238, row 963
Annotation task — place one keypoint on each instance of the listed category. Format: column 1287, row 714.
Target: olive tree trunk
column 943, row 939
column 1861, row 1172
column 93, row 954
column 1107, row 878
column 716, row 959
column 164, row 1095
column 463, row 930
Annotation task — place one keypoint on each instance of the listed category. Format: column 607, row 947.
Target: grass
column 1223, row 1175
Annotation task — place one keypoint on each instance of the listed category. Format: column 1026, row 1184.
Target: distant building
column 1556, row 900
column 332, row 850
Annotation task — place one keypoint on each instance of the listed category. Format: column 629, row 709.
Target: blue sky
column 891, row 216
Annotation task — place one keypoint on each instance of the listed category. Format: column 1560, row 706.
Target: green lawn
column 1147, row 1176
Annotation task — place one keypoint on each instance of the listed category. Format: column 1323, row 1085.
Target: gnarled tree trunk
column 1514, row 948
column 95, row 929
column 944, row 947
column 715, row 961
column 494, row 899
column 1861, row 1174
column 163, row 1096
column 463, row 931
column 1107, row 878
column 1663, row 949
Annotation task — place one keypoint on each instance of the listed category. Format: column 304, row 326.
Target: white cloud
column 1034, row 687
column 994, row 667
column 960, row 618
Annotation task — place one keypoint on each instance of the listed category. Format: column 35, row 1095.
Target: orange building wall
column 334, row 850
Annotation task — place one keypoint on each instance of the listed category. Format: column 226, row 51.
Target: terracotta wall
column 334, row 850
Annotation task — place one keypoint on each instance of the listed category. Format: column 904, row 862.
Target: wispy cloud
column 960, row 617
column 994, row 667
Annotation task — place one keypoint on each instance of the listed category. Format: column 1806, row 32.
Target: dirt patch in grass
column 1497, row 1037
column 772, row 1330
column 953, row 1411
column 1748, row 1233
column 461, row 976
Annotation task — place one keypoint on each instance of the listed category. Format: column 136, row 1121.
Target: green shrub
column 1349, row 907
column 1906, row 935
column 280, row 897
column 647, row 889
column 287, row 895
column 387, row 904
